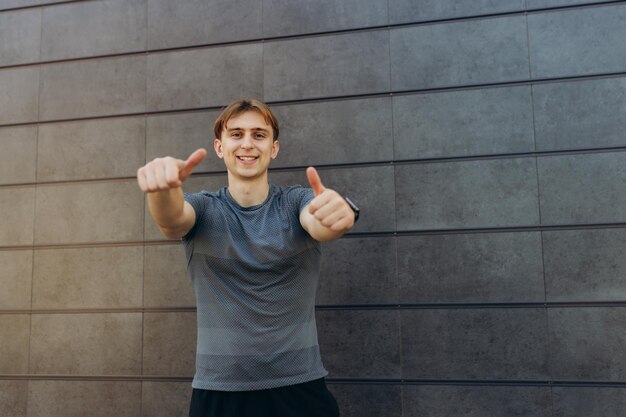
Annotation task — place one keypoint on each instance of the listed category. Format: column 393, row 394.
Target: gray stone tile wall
column 165, row 399
column 197, row 22
column 580, row 189
column 10, row 4
column 580, row 114
column 80, row 344
column 368, row 400
column 19, row 100
column 408, row 11
column 78, row 398
column 479, row 344
column 18, row 160
column 93, row 88
column 585, row 265
column 477, row 401
column 487, row 193
column 100, row 148
column 434, row 116
column 118, row 207
column 16, row 267
column 20, row 34
column 291, row 17
column 481, row 267
column 588, row 401
column 459, row 53
column 584, row 343
column 336, row 132
column 577, row 42
column 91, row 28
column 337, row 65
column 73, row 278
column 463, row 123
column 204, row 77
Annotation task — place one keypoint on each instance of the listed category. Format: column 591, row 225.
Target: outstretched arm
column 161, row 180
column 328, row 216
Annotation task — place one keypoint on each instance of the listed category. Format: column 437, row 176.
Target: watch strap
column 354, row 208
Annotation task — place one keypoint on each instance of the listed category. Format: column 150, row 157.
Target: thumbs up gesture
column 167, row 173
column 329, row 208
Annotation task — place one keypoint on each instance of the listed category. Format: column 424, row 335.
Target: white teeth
column 247, row 158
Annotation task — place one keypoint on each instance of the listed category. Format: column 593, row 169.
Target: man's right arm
column 161, row 180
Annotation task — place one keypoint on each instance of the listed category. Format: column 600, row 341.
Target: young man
column 253, row 255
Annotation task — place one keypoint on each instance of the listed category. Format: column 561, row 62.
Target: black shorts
column 310, row 399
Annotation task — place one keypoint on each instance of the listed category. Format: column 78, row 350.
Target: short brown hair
column 243, row 105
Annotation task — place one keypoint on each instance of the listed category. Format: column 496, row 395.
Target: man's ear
column 217, row 145
column 275, row 149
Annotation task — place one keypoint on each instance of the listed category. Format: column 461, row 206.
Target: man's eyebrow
column 253, row 129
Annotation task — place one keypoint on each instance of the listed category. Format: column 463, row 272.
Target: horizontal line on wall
column 51, row 3
column 574, row 6
column 323, row 99
column 95, row 378
column 87, row 245
column 337, row 307
column 473, row 382
column 102, row 310
column 351, row 235
column 469, row 305
column 431, row 90
column 537, row 228
column 351, row 165
column 308, row 34
column 334, row 381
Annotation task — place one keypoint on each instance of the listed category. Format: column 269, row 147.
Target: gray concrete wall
column 484, row 141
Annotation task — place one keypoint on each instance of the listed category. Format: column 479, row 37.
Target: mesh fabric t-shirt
column 255, row 272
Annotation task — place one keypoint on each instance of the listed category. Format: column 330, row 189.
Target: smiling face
column 247, row 146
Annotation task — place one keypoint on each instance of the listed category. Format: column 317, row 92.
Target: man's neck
column 249, row 192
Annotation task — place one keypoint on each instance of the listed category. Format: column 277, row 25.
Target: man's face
column 247, row 145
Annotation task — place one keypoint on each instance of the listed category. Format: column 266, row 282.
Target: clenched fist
column 167, row 173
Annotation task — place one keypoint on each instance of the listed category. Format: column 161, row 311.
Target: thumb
column 190, row 164
column 315, row 181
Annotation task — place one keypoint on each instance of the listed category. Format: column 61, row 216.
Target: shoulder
column 294, row 195
column 205, row 196
column 292, row 190
column 205, row 202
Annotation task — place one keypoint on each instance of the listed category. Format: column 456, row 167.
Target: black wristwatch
column 354, row 208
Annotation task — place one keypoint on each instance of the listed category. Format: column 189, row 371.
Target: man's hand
column 167, row 173
column 328, row 207
column 161, row 179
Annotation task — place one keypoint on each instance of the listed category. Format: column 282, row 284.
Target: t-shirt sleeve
column 300, row 196
column 199, row 203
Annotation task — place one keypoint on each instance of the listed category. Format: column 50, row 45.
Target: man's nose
column 246, row 143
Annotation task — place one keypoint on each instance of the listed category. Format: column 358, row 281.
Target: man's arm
column 161, row 180
column 328, row 216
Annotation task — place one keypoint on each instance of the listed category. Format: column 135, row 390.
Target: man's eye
column 260, row 136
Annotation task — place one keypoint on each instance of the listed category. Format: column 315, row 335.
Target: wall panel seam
column 317, row 34
column 342, row 307
column 350, row 235
column 367, row 164
column 42, row 5
column 337, row 381
column 322, row 99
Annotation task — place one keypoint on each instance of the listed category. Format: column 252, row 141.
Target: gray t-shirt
column 255, row 272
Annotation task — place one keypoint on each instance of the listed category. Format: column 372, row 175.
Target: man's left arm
column 328, row 216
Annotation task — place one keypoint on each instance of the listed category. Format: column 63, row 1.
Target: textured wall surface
column 483, row 139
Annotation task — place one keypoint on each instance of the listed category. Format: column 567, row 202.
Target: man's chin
column 247, row 174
